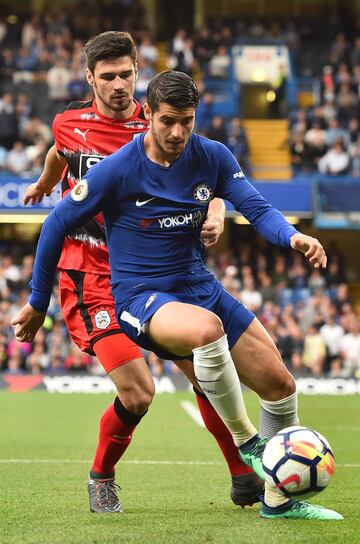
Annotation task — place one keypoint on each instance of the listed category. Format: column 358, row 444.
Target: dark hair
column 109, row 45
column 174, row 88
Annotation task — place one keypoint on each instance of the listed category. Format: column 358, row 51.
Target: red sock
column 218, row 429
column 114, row 437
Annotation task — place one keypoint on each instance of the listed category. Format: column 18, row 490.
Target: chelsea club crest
column 203, row 193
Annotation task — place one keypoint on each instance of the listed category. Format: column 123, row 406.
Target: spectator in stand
column 77, row 87
column 17, row 160
column 217, row 130
column 314, row 352
column 300, row 156
column 146, row 72
column 350, row 348
column 205, row 113
column 334, row 274
column 355, row 158
column 38, row 360
column 334, row 132
column 315, row 138
column 336, row 161
column 58, row 79
column 353, row 129
column 56, row 364
column 329, row 108
column 23, row 109
column 267, row 289
column 77, row 361
column 342, row 295
column 204, row 47
column 15, row 364
column 328, row 83
column 181, row 57
column 340, row 50
column 355, row 53
column 343, row 74
column 348, row 104
column 35, row 129
column 8, row 122
column 316, row 280
column 43, row 64
column 250, row 296
column 7, row 66
column 178, row 42
column 148, row 51
column 331, row 333
column 279, row 275
column 238, row 144
column 355, row 80
column 299, row 122
column 25, row 64
column 298, row 273
column 337, row 369
column 219, row 64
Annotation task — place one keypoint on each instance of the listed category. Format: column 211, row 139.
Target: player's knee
column 283, row 386
column 210, row 330
column 138, row 398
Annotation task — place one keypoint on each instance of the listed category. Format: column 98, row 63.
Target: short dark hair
column 109, row 45
column 174, row 88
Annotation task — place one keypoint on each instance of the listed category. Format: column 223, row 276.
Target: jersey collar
column 134, row 116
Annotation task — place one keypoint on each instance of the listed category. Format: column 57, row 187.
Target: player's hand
column 27, row 323
column 311, row 248
column 35, row 193
column 211, row 230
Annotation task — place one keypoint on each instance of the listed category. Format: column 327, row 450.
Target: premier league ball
column 299, row 462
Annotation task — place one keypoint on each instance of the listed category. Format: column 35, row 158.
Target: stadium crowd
column 42, row 68
column 308, row 313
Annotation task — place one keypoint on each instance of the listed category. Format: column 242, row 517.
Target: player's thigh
column 88, row 307
column 179, row 327
column 259, row 364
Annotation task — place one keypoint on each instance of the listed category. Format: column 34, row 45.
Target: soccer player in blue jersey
column 154, row 195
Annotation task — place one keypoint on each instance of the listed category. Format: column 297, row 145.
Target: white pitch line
column 136, row 462
column 87, row 461
column 192, row 411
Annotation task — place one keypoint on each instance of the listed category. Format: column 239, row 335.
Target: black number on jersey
column 87, row 161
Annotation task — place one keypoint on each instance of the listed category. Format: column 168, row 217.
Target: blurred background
column 280, row 86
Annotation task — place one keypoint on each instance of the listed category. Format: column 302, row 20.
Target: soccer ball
column 298, row 461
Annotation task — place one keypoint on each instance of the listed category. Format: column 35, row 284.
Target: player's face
column 171, row 128
column 113, row 82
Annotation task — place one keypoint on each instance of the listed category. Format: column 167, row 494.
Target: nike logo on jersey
column 83, row 134
column 139, row 203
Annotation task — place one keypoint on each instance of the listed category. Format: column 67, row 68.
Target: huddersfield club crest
column 102, row 319
column 203, row 193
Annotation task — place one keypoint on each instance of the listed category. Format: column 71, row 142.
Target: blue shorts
column 135, row 312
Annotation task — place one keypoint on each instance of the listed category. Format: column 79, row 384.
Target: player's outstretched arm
column 53, row 168
column 213, row 226
column 311, row 248
column 27, row 322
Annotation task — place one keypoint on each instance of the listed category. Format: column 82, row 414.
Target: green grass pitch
column 175, row 486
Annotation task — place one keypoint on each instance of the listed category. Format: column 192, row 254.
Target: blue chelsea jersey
column 154, row 214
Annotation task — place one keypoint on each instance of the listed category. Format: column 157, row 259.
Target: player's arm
column 87, row 198
column 213, row 226
column 51, row 174
column 268, row 221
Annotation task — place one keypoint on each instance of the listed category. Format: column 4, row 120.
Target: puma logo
column 83, row 134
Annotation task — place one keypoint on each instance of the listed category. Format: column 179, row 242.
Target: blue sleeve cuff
column 39, row 301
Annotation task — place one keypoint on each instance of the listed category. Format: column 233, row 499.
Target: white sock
column 278, row 414
column 274, row 416
column 217, row 376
